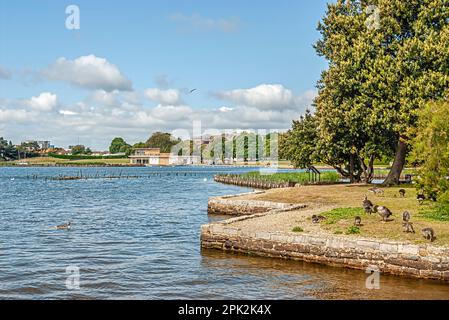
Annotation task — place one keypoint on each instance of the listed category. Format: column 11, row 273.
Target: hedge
column 83, row 157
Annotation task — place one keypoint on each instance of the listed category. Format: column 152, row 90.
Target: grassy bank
column 340, row 204
column 295, row 177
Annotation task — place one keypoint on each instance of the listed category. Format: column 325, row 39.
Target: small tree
column 78, row 150
column 431, row 150
column 163, row 141
column 299, row 145
column 119, row 145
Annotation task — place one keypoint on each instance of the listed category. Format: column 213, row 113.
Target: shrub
column 82, row 157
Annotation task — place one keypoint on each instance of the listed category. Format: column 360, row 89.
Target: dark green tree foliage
column 139, row 145
column 300, row 144
column 411, row 67
column 8, row 151
column 28, row 149
column 163, row 141
column 80, row 149
column 379, row 75
column 119, row 145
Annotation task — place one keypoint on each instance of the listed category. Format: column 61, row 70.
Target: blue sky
column 252, row 63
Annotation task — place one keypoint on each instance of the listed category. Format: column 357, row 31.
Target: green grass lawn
column 296, row 177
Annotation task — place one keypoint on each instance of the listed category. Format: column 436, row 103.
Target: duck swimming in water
column 65, row 226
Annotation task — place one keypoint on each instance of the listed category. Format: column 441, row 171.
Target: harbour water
column 140, row 239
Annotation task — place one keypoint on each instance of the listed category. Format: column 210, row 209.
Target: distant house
column 154, row 157
column 43, row 145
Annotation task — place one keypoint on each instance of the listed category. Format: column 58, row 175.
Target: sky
column 130, row 67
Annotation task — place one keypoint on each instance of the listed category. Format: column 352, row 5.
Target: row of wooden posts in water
column 252, row 183
column 81, row 176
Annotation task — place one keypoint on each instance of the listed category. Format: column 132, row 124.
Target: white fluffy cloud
column 265, row 97
column 46, row 101
column 104, row 115
column 88, row 72
column 14, row 115
column 164, row 97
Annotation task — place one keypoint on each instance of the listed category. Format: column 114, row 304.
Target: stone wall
column 421, row 261
column 227, row 205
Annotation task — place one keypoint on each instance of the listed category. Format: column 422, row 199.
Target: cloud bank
column 88, row 72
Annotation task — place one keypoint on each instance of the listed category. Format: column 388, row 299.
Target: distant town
column 161, row 149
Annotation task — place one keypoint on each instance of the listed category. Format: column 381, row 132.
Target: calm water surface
column 139, row 239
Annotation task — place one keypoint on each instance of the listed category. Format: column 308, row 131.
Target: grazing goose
column 421, row 197
column 317, row 219
column 406, row 216
column 358, row 222
column 428, row 234
column 402, row 193
column 408, row 227
column 384, row 212
column 376, row 191
column 368, row 205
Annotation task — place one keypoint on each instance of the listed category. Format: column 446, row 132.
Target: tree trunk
column 368, row 171
column 351, row 168
column 398, row 164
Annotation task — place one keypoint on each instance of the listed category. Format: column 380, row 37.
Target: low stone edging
column 226, row 205
column 420, row 261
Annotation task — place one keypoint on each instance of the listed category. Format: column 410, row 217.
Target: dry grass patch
column 340, row 204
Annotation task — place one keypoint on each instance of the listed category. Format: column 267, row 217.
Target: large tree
column 410, row 68
column 163, row 141
column 350, row 136
column 119, row 145
column 380, row 73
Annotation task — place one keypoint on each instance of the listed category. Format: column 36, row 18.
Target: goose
column 428, row 234
column 408, row 227
column 420, row 197
column 406, row 216
column 367, row 205
column 317, row 219
column 376, row 191
column 384, row 212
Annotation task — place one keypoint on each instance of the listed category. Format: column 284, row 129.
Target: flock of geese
column 385, row 214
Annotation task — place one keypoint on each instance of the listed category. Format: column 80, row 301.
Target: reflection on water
column 139, row 239
column 285, row 279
